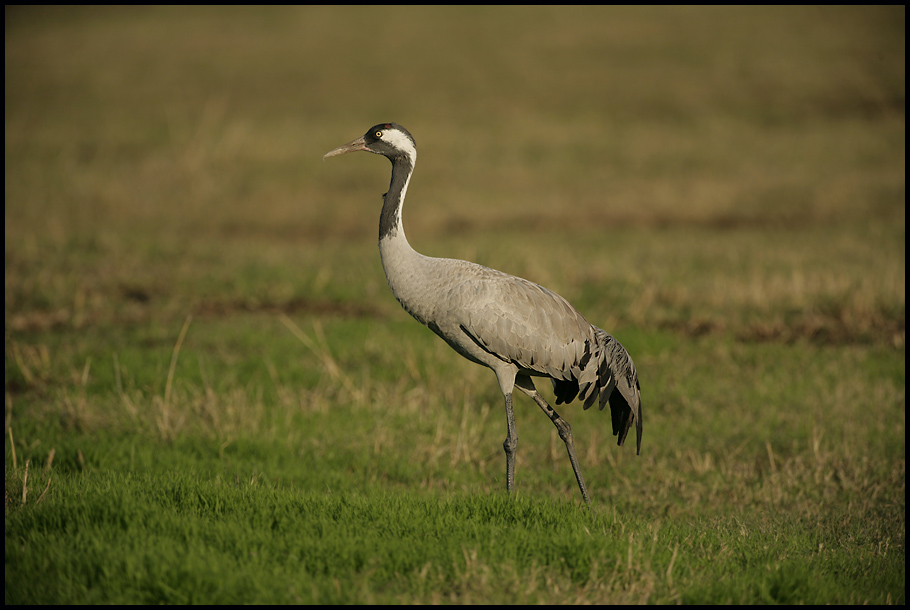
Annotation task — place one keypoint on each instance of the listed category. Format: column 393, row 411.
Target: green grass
column 187, row 538
column 212, row 396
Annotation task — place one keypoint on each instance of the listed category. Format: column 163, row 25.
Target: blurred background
column 195, row 306
column 707, row 169
column 213, row 120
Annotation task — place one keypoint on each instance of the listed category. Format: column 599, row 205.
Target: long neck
column 408, row 272
column 390, row 226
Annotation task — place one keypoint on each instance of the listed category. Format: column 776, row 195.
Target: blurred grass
column 200, row 124
column 723, row 188
column 198, row 130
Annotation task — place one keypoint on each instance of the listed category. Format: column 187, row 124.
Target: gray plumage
column 515, row 327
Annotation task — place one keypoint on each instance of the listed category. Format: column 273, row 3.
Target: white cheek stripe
column 404, row 191
column 401, row 142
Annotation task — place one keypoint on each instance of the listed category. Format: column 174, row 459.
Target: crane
column 515, row 327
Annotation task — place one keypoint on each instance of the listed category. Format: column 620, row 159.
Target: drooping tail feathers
column 607, row 376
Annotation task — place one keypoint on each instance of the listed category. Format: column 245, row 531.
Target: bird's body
column 515, row 327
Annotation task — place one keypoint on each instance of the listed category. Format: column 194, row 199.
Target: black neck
column 390, row 218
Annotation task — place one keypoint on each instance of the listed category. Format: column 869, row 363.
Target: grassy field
column 212, row 396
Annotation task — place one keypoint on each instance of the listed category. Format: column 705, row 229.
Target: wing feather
column 525, row 324
column 538, row 331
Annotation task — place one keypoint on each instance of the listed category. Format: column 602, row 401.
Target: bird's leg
column 565, row 433
column 525, row 384
column 510, row 443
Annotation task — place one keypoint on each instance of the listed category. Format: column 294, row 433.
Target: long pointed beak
column 353, row 145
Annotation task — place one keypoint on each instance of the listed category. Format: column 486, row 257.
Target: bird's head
column 389, row 139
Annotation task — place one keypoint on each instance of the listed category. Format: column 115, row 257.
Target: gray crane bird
column 513, row 326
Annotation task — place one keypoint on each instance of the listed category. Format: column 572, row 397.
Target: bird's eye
column 378, row 134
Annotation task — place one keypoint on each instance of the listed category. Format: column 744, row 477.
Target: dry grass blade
column 12, row 444
column 50, row 461
column 25, row 483
column 170, row 372
column 322, row 352
column 20, row 362
column 44, row 493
